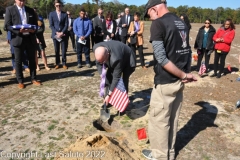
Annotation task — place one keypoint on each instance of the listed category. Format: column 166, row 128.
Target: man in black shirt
column 171, row 51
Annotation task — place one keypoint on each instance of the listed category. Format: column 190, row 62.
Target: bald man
column 120, row 61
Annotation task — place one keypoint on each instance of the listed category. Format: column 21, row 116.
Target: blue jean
column 24, row 58
column 83, row 48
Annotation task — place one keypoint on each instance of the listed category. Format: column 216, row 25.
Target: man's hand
column 82, row 38
column 106, row 100
column 189, row 78
column 31, row 30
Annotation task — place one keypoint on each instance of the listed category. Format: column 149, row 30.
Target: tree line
column 195, row 14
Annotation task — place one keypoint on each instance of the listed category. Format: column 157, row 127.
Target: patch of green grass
column 38, row 122
column 5, row 121
column 2, row 134
column 69, row 135
column 51, row 127
column 61, row 128
column 16, row 116
column 8, row 105
column 21, row 127
column 55, row 121
column 206, row 158
column 39, row 134
column 68, row 117
column 18, row 101
column 60, row 137
column 126, row 118
column 23, row 137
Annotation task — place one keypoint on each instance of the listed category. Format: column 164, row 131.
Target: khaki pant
column 165, row 106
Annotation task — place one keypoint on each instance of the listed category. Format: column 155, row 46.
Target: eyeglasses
column 207, row 23
column 58, row 5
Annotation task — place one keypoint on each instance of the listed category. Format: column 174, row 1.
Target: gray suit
column 120, row 63
column 97, row 28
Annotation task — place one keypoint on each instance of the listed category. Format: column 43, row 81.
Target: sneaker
column 88, row 65
column 148, row 154
column 79, row 66
column 219, row 75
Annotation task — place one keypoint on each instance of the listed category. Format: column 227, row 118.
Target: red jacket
column 227, row 35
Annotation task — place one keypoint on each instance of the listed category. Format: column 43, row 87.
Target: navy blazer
column 12, row 17
column 57, row 26
column 123, row 21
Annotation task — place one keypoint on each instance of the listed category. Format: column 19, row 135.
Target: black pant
column 83, row 48
column 125, row 75
column 72, row 37
column 29, row 47
column 98, row 39
column 200, row 57
column 124, row 39
column 222, row 56
column 57, row 50
column 140, row 52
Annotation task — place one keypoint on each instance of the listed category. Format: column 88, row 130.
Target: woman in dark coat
column 109, row 27
column 204, row 43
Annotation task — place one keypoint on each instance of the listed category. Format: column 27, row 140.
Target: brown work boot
column 36, row 83
column 65, row 67
column 21, row 85
column 57, row 66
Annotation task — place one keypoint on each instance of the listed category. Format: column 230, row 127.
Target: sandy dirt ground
column 58, row 120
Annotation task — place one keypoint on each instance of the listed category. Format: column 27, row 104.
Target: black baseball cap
column 152, row 3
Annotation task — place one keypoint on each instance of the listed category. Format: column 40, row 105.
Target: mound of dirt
column 99, row 147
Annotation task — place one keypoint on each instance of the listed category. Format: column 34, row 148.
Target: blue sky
column 234, row 4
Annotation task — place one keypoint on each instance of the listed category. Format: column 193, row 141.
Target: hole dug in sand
column 98, row 147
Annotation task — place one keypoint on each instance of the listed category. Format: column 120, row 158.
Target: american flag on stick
column 119, row 97
column 202, row 69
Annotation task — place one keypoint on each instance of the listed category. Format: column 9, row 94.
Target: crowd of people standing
column 114, row 45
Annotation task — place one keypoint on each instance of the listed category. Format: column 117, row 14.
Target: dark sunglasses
column 58, row 5
column 207, row 23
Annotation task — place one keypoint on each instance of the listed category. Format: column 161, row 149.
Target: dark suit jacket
column 121, row 58
column 97, row 25
column 57, row 26
column 123, row 21
column 12, row 17
column 104, row 28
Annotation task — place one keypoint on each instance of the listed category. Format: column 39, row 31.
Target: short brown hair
column 109, row 15
column 58, row 1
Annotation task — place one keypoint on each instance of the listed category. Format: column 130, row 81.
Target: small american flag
column 202, row 69
column 119, row 97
